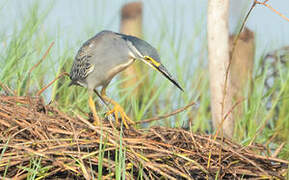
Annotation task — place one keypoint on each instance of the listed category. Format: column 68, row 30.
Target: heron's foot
column 117, row 109
column 96, row 120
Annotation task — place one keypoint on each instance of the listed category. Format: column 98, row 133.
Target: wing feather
column 82, row 67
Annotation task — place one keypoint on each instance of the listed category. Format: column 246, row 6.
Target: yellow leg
column 117, row 109
column 93, row 110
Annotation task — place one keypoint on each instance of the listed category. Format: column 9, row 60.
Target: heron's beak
column 161, row 68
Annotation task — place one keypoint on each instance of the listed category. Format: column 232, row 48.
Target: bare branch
column 271, row 8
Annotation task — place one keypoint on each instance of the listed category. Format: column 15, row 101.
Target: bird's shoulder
column 85, row 51
column 100, row 39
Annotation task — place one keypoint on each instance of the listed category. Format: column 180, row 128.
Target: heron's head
column 148, row 54
column 156, row 65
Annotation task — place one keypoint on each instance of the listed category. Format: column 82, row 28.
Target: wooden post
column 241, row 67
column 131, row 19
column 218, row 54
column 131, row 24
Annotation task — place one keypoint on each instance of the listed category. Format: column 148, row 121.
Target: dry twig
column 166, row 115
column 49, row 84
column 30, row 129
column 271, row 8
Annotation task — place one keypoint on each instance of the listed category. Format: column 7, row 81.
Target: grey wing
column 81, row 66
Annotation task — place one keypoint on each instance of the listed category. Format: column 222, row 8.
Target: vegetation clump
column 40, row 141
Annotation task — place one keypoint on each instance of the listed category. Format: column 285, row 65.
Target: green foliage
column 35, row 169
column 29, row 42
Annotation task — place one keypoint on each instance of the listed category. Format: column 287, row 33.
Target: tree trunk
column 242, row 68
column 218, row 54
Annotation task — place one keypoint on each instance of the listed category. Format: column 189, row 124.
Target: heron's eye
column 147, row 58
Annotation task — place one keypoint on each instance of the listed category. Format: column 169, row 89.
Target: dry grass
column 69, row 148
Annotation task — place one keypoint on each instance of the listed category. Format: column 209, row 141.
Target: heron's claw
column 118, row 109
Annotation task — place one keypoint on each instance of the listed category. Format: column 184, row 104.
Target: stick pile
column 39, row 138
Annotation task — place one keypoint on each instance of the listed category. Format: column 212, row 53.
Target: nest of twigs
column 72, row 148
